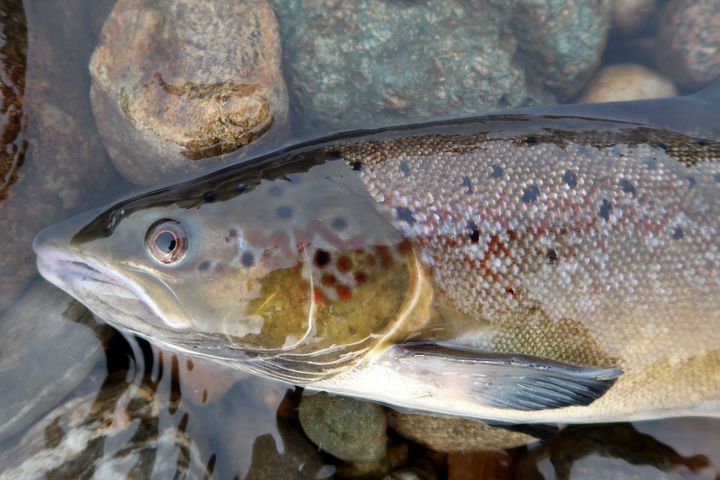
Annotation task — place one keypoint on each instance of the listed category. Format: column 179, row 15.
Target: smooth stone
column 346, row 428
column 688, row 47
column 177, row 84
column 630, row 16
column 374, row 62
column 624, row 82
column 113, row 434
column 455, row 434
column 293, row 458
column 470, row 466
column 50, row 343
column 52, row 162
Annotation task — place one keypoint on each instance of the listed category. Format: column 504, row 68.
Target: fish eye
column 166, row 241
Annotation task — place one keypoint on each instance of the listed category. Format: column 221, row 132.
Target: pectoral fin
column 504, row 380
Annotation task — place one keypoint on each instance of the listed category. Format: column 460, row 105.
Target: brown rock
column 177, row 83
column 624, row 82
column 495, row 465
column 688, row 47
column 52, row 161
column 397, row 456
column 454, row 434
column 630, row 16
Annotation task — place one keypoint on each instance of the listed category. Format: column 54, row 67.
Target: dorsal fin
column 710, row 94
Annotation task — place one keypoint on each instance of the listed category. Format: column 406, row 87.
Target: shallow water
column 230, row 415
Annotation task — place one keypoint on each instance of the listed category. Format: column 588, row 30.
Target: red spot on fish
column 385, row 257
column 319, row 297
column 404, row 247
column 328, row 279
column 344, row 292
column 360, row 277
column 344, row 264
column 370, row 260
column 510, row 291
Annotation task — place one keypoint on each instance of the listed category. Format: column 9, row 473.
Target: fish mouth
column 105, row 292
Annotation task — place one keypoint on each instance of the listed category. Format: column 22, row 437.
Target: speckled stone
column 346, row 428
column 623, row 82
column 454, row 434
column 114, row 434
column 59, row 338
column 688, row 47
column 373, row 62
column 175, row 84
column 52, row 161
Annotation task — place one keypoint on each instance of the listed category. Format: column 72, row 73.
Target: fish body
column 553, row 265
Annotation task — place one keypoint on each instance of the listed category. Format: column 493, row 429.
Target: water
column 240, row 424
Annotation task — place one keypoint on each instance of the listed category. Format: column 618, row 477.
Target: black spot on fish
column 405, row 214
column 210, row 196
column 530, row 140
column 552, row 257
column 605, row 209
column 474, row 233
column 467, row 183
column 678, row 233
column 284, row 212
column 232, row 234
column 276, row 190
column 691, row 182
column 339, row 223
column 241, row 187
column 405, row 168
column 497, row 171
column 570, row 178
column 322, row 258
column 651, row 164
column 627, row 186
column 247, row 259
column 334, row 154
column 664, row 146
column 357, row 166
column 204, row 265
column 530, row 194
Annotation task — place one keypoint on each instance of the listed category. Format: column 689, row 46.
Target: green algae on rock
column 177, row 84
column 349, row 429
column 379, row 62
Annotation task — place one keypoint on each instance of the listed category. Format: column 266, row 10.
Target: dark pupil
column 166, row 242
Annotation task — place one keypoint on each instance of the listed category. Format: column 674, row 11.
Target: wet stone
column 50, row 342
column 624, row 82
column 175, row 84
column 454, row 434
column 495, row 465
column 380, row 62
column 688, row 46
column 51, row 160
column 397, row 457
column 114, row 434
column 293, row 458
column 630, row 16
column 346, row 428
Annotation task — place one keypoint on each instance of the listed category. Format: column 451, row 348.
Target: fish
column 542, row 265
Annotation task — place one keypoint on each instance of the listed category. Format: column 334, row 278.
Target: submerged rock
column 346, row 428
column 630, row 16
column 375, row 62
column 175, row 84
column 115, row 434
column 293, row 458
column 627, row 81
column 455, row 434
column 688, row 47
column 52, row 160
column 50, row 342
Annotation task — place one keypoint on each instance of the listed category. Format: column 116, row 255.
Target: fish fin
column 500, row 380
column 710, row 94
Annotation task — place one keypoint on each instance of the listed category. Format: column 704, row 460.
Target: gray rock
column 115, row 434
column 346, row 428
column 175, row 84
column 454, row 434
column 295, row 458
column 49, row 344
column 373, row 62
column 688, row 47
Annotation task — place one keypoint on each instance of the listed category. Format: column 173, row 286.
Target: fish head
column 293, row 275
